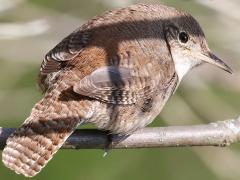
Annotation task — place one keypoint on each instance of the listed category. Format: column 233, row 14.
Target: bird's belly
column 124, row 119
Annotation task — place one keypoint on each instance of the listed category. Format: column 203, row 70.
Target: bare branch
column 221, row 133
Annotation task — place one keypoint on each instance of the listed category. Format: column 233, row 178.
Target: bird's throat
column 183, row 64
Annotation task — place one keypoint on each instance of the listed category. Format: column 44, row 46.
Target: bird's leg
column 113, row 139
column 108, row 143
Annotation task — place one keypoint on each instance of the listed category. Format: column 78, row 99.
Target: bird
column 116, row 71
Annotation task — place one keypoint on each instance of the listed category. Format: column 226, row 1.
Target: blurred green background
column 28, row 29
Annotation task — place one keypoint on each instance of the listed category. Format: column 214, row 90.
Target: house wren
column 117, row 71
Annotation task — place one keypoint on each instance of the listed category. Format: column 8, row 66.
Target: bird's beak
column 209, row 57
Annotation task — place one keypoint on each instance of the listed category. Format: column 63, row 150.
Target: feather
column 115, row 85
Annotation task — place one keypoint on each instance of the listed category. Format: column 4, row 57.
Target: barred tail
column 32, row 145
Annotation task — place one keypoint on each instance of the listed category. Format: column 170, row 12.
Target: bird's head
column 188, row 46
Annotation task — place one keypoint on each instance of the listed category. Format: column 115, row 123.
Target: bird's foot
column 112, row 140
column 108, row 144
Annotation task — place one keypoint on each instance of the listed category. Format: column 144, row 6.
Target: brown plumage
column 116, row 71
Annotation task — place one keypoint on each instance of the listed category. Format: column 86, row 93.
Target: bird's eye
column 183, row 37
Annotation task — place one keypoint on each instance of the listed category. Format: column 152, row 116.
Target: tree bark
column 221, row 133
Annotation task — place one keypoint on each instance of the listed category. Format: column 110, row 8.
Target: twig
column 221, row 133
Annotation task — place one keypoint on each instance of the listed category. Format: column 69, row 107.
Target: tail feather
column 31, row 146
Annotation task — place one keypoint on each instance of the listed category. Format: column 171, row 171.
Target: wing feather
column 115, row 85
column 65, row 51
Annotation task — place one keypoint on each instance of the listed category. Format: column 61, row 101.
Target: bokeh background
column 29, row 28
